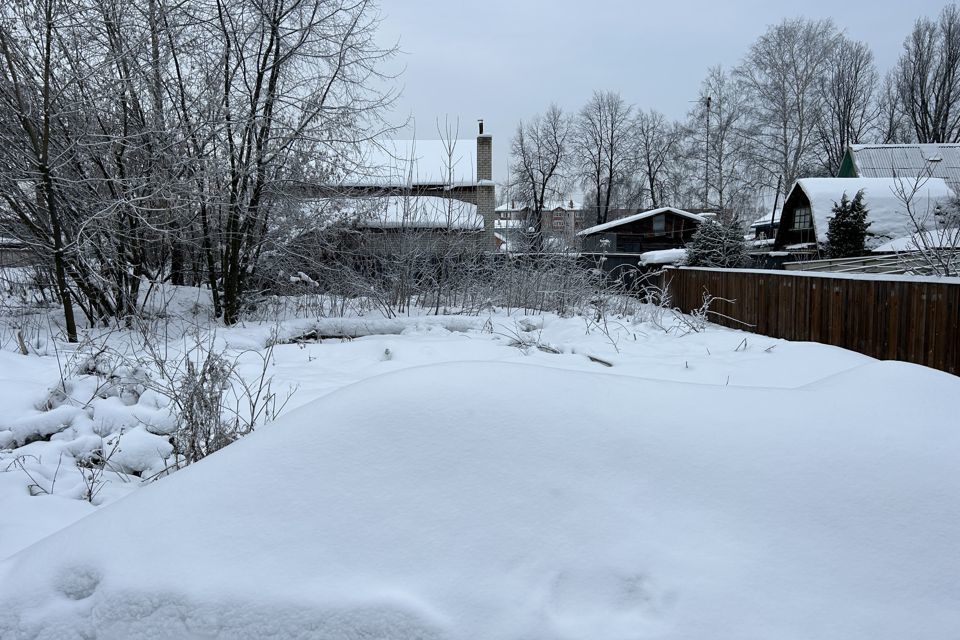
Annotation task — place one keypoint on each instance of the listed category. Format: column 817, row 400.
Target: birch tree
column 781, row 75
column 719, row 142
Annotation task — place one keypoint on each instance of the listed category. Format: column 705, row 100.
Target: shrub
column 718, row 245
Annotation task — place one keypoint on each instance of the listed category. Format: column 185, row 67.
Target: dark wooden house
column 663, row 228
column 808, row 208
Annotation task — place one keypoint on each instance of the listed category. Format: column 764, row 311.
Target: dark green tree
column 847, row 230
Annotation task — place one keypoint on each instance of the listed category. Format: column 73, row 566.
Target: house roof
column 413, row 212
column 886, row 211
column 766, row 220
column 639, row 216
column 414, row 162
column 892, row 160
column 946, row 238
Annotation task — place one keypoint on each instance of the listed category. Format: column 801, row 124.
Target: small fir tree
column 847, row 230
column 717, row 245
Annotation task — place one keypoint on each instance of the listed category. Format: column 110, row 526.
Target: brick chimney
column 486, row 190
column 484, row 155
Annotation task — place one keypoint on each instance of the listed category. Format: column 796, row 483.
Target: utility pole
column 776, row 200
column 706, row 159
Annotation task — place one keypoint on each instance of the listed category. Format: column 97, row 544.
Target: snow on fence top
column 883, row 198
column 830, row 275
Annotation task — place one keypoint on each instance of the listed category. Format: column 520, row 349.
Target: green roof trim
column 848, row 169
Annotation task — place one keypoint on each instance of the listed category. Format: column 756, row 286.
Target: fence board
column 898, row 319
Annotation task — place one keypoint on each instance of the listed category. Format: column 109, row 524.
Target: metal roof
column 897, row 160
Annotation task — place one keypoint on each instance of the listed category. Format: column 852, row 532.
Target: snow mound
column 415, row 505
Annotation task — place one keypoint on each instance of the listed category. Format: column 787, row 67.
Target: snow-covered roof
column 639, row 216
column 412, row 162
column 948, row 238
column 891, row 160
column 414, row 212
column 886, row 211
column 766, row 220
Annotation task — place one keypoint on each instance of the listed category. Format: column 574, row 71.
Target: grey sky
column 503, row 60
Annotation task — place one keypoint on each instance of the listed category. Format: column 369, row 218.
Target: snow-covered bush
column 717, row 244
column 201, row 424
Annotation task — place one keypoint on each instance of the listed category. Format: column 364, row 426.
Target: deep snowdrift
column 488, row 501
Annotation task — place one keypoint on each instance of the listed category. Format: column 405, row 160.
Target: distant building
column 560, row 219
column 809, row 206
column 15, row 253
column 897, row 160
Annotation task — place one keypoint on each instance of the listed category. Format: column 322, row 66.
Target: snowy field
column 492, row 477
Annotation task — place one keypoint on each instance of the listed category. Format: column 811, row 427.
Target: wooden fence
column 887, row 317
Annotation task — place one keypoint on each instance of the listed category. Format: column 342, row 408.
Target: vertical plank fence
column 887, row 317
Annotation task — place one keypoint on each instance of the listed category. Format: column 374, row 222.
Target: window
column 802, row 218
column 558, row 220
column 659, row 225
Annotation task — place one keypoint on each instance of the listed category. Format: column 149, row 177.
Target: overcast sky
column 503, row 60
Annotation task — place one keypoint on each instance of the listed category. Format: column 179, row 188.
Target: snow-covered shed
column 663, row 228
column 765, row 227
column 809, row 206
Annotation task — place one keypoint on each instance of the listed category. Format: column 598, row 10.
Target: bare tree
column 539, row 158
column 297, row 76
column 602, row 148
column 934, row 246
column 850, row 108
column 154, row 141
column 893, row 123
column 36, row 103
column 781, row 76
column 719, row 146
column 928, row 77
column 657, row 142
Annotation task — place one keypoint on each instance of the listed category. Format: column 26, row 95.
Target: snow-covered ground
column 489, row 477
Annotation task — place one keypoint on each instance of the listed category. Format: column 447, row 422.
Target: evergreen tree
column 847, row 231
column 718, row 245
